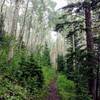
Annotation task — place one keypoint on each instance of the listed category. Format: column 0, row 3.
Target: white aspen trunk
column 23, row 25
column 13, row 31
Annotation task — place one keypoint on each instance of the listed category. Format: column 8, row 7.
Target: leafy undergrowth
column 65, row 88
column 13, row 90
column 27, row 76
column 49, row 74
column 22, row 80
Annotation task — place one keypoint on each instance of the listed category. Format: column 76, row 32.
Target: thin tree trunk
column 13, row 31
column 2, row 20
column 2, row 5
column 23, row 25
column 98, row 77
column 90, row 50
column 15, row 18
column 29, row 26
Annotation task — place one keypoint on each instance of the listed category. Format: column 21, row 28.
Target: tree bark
column 2, row 5
column 98, row 73
column 13, row 31
column 15, row 18
column 23, row 25
column 2, row 20
column 90, row 51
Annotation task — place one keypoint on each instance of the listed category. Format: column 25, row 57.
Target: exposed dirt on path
column 53, row 94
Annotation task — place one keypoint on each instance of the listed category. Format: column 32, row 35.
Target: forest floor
column 53, row 93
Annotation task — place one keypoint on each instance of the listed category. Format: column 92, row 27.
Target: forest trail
column 53, row 93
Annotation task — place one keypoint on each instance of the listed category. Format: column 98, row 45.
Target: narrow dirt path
column 53, row 94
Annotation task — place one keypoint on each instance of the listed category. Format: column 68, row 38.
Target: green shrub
column 48, row 74
column 10, row 91
column 65, row 87
column 29, row 74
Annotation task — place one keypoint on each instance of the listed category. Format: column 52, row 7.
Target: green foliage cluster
column 46, row 55
column 48, row 74
column 60, row 63
column 76, row 67
column 73, row 66
column 66, row 88
column 75, row 60
column 26, row 77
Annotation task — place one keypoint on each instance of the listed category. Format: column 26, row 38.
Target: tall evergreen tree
column 87, row 7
